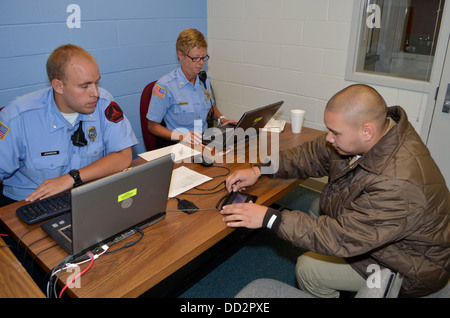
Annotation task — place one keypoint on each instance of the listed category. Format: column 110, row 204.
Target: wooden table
column 166, row 246
column 15, row 282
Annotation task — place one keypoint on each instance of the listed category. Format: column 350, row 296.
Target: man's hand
column 242, row 178
column 247, row 215
column 105, row 166
column 50, row 187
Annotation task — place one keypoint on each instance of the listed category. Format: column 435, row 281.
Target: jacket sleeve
column 367, row 223
column 307, row 160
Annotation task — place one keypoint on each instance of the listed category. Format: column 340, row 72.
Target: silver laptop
column 112, row 207
column 247, row 127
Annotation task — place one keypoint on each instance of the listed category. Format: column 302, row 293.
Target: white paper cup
column 297, row 118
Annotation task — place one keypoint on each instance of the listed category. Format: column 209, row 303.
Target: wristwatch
column 76, row 177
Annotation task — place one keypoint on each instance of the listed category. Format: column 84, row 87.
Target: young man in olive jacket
column 386, row 203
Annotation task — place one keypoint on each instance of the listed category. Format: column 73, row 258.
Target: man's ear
column 57, row 85
column 368, row 131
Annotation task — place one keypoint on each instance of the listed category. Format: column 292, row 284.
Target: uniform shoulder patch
column 3, row 130
column 159, row 91
column 114, row 113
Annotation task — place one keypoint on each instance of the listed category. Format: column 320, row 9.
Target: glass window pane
column 398, row 37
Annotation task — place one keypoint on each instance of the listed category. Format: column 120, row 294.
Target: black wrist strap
column 272, row 219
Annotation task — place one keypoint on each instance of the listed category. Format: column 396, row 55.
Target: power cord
column 188, row 207
column 220, row 175
column 51, row 284
column 92, row 257
column 65, row 264
column 137, row 229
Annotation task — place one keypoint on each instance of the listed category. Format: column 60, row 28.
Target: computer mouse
column 205, row 162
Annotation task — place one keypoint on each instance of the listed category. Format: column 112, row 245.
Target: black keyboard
column 44, row 209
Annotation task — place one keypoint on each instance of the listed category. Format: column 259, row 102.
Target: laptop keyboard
column 45, row 209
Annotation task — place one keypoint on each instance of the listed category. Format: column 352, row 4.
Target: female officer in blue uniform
column 64, row 135
column 180, row 98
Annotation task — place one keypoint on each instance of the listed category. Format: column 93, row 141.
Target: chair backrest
column 146, row 96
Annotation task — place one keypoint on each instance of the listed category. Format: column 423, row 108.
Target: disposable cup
column 297, row 118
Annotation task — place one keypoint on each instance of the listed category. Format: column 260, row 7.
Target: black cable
column 26, row 233
column 203, row 76
column 51, row 286
column 63, row 264
column 224, row 187
column 137, row 229
column 221, row 175
column 190, row 211
column 10, row 246
column 189, row 207
column 45, row 249
column 210, row 189
column 28, row 246
column 222, row 199
column 36, row 255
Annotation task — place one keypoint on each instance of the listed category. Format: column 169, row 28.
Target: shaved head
column 359, row 104
column 356, row 118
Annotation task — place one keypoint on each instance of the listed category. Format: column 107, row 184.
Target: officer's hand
column 50, row 187
column 192, row 137
column 226, row 121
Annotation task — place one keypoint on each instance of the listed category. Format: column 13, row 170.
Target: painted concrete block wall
column 261, row 50
column 133, row 42
column 292, row 50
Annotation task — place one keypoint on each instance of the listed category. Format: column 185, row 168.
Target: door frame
column 436, row 75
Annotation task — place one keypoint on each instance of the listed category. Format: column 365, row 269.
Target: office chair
column 389, row 287
column 149, row 138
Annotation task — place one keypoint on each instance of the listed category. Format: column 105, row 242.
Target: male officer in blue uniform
column 180, row 98
column 64, row 135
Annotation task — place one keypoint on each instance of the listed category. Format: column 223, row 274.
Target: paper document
column 184, row 179
column 179, row 152
column 275, row 125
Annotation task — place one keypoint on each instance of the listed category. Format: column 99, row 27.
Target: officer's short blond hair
column 57, row 61
column 190, row 38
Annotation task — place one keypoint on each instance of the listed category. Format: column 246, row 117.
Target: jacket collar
column 377, row 158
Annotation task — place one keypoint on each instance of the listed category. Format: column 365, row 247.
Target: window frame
column 351, row 74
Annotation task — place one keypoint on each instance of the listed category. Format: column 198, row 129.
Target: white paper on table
column 184, row 179
column 178, row 151
column 275, row 125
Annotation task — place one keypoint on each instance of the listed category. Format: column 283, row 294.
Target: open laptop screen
column 110, row 206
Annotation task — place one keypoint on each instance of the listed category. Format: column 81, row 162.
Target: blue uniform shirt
column 36, row 142
column 179, row 103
